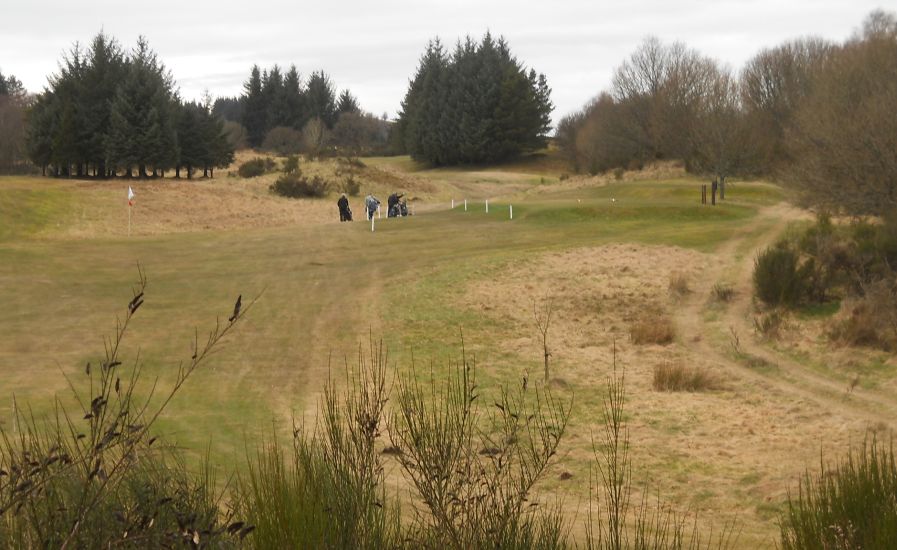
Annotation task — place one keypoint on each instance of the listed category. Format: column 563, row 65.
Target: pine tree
column 142, row 120
column 320, row 98
column 104, row 71
column 294, row 98
column 347, row 104
column 479, row 105
column 254, row 108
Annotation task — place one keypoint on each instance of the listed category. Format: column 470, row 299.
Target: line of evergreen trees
column 474, row 106
column 109, row 113
column 272, row 99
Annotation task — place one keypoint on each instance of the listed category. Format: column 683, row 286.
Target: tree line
column 478, row 104
column 813, row 113
column 108, row 112
column 285, row 113
column 13, row 102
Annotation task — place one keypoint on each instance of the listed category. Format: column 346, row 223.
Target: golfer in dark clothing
column 345, row 215
column 392, row 203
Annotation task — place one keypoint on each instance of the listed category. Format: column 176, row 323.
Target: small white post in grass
column 453, row 204
column 487, row 206
column 511, row 210
column 465, row 205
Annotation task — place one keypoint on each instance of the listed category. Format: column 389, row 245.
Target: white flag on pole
column 130, row 196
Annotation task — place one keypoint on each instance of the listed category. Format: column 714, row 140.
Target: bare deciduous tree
column 543, row 322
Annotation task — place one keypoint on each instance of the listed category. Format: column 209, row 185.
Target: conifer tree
column 254, row 112
column 320, row 98
column 347, row 104
column 478, row 105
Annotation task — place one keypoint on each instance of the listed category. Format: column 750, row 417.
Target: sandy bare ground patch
column 731, row 452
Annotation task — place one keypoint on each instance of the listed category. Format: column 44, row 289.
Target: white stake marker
column 465, row 205
column 453, row 204
column 511, row 210
column 487, row 206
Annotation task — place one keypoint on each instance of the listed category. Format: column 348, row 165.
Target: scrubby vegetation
column 473, row 458
column 256, row 167
column 852, row 504
column 852, row 263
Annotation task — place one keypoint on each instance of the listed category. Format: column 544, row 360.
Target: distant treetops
column 108, row 113
column 477, row 105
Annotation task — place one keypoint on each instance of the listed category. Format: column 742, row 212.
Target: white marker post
column 130, row 203
column 511, row 210
column 453, row 204
column 487, row 206
column 465, row 205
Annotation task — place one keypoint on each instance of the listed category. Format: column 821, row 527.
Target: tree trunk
column 189, row 172
column 177, row 172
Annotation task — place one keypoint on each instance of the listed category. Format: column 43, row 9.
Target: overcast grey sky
column 372, row 48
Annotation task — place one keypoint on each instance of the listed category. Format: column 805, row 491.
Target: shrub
column 618, row 173
column 473, row 469
column 778, row 279
column 853, row 505
column 253, row 168
column 283, row 141
column 327, row 490
column 652, row 330
column 94, row 478
column 291, row 165
column 350, row 186
column 297, row 186
column 678, row 377
column 871, row 320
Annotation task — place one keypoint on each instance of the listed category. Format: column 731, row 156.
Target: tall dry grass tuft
column 657, row 329
column 678, row 285
column 679, row 377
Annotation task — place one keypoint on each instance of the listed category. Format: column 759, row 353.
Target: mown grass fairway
column 323, row 288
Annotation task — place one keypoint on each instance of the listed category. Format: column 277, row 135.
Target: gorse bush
column 871, row 319
column 253, row 168
column 297, row 186
column 852, row 505
column 327, row 490
column 350, row 186
column 778, row 278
